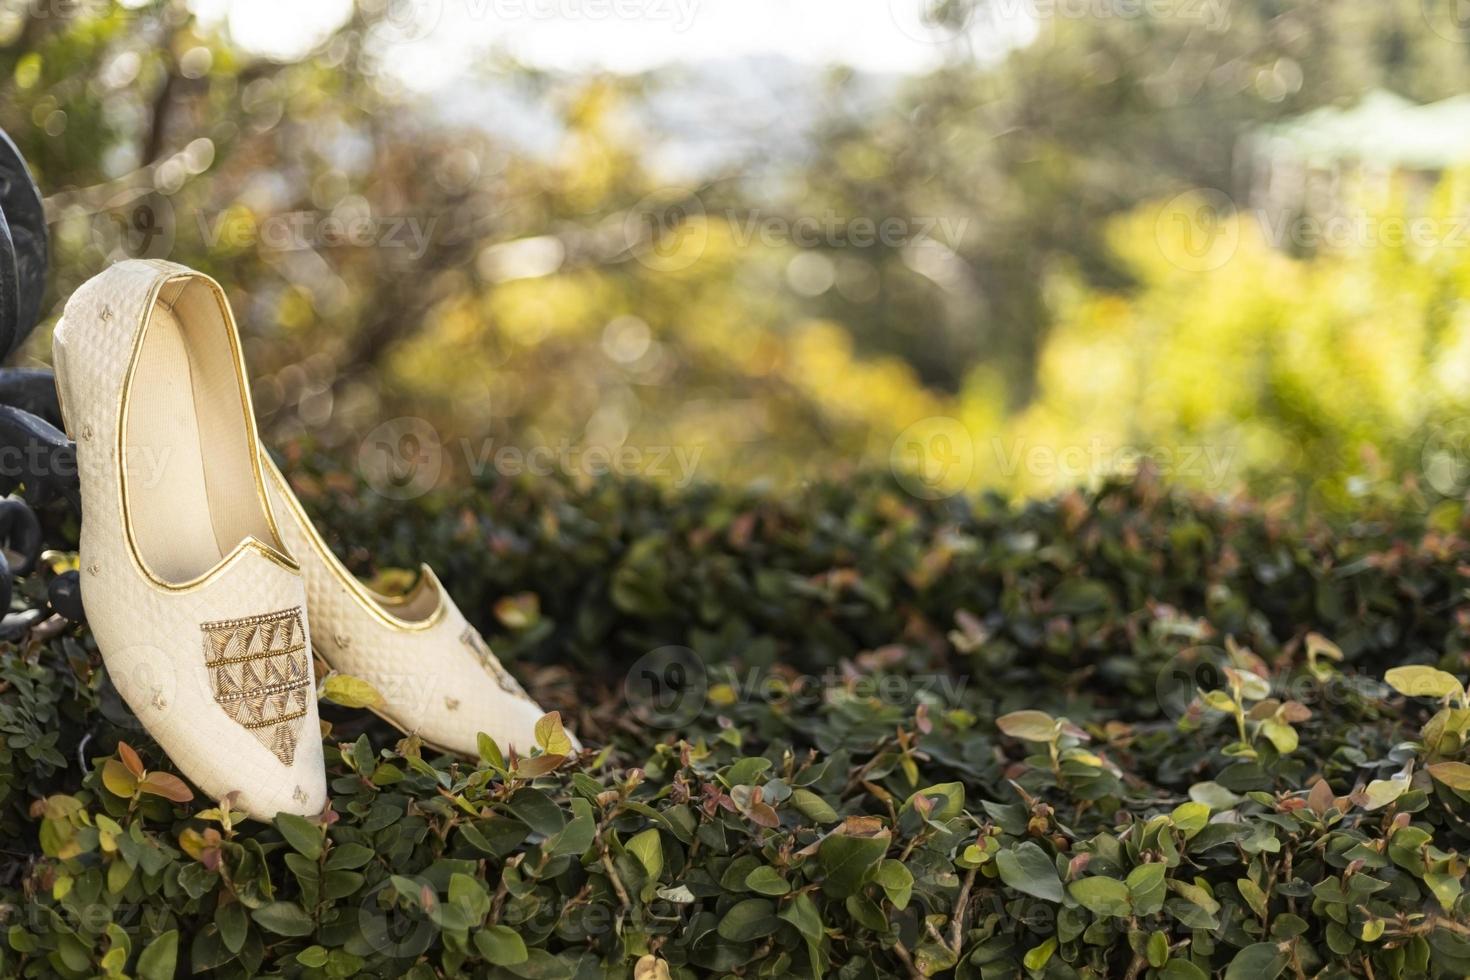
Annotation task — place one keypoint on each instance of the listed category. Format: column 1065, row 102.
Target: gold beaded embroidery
column 260, row 677
column 472, row 639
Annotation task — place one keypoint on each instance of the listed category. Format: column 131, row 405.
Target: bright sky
column 435, row 40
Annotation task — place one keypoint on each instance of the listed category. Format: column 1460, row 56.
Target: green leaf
column 301, row 834
column 1156, row 950
column 845, row 860
column 574, row 838
column 490, row 752
column 747, row 920
column 933, row 958
column 1102, row 896
column 645, row 846
column 348, row 857
column 501, row 945
column 283, row 919
column 312, row 956
column 1145, row 878
column 1455, row 775
column 1180, row 969
column 541, row 965
column 946, row 799
column 1258, row 961
column 1381, row 792
column 1423, row 682
column 1038, row 956
column 118, row 780
column 536, row 810
column 896, row 880
column 1446, row 888
column 1194, row 894
column 1190, row 818
column 1213, row 795
column 550, row 735
column 1218, row 700
column 233, row 924
column 805, row 916
column 1281, row 735
column 1253, row 896
column 1027, row 868
column 765, row 880
column 1029, row 726
column 159, row 959
column 350, row 692
column 812, row 806
column 469, row 893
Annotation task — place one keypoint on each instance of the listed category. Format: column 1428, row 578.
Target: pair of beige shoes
column 204, row 582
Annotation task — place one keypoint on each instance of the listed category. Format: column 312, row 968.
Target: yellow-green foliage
column 1326, row 367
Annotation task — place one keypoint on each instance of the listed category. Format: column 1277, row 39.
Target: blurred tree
column 385, row 263
column 1030, row 156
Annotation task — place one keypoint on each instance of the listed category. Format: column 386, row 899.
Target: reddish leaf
column 166, row 785
column 1320, row 798
column 130, row 759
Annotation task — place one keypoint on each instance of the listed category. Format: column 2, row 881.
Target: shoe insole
column 189, row 490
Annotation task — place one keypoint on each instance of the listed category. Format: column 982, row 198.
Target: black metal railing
column 36, row 458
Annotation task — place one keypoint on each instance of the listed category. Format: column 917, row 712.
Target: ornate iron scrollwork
column 35, row 455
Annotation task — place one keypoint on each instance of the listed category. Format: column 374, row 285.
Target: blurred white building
column 1330, row 164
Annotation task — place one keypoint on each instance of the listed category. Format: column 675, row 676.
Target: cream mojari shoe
column 437, row 677
column 197, row 608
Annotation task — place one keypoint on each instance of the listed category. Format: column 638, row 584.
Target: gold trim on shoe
column 57, row 370
column 370, row 601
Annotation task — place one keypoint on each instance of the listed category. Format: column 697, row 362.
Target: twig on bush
column 902, row 952
column 617, row 882
column 961, row 910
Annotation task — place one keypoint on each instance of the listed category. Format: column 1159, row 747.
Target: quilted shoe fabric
column 437, row 676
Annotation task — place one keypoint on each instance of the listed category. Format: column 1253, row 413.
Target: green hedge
column 845, row 733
